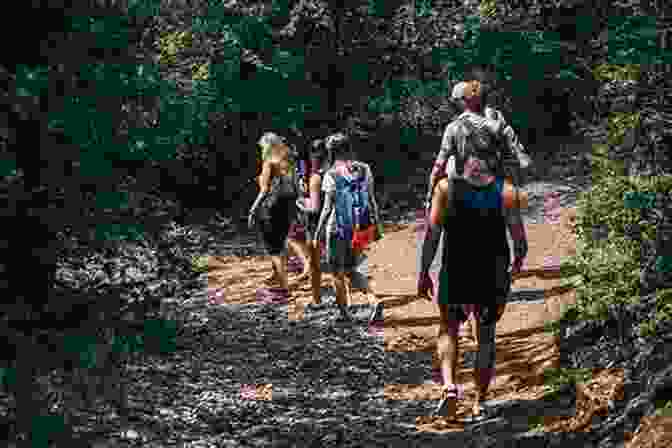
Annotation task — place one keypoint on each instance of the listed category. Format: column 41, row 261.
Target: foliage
column 664, row 409
column 555, row 378
column 632, row 40
column 200, row 263
column 620, row 123
column 649, row 328
column 613, row 72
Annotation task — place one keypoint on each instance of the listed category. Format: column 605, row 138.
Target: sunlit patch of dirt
column 592, row 398
column 653, row 432
column 524, row 350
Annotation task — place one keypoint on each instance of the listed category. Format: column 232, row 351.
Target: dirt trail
column 524, row 350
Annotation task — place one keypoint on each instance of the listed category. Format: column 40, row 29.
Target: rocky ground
column 249, row 374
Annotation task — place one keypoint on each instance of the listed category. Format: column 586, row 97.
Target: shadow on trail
column 398, row 300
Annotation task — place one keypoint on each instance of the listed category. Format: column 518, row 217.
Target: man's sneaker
column 450, row 395
column 377, row 313
column 484, row 413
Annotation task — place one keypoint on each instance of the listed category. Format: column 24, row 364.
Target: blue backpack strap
column 361, row 196
column 344, row 208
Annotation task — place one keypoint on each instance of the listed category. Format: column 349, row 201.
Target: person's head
column 472, row 92
column 339, row 147
column 273, row 146
column 318, row 155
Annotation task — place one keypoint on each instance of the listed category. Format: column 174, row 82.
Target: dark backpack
column 487, row 144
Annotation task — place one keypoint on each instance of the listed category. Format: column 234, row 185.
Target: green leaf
column 567, row 74
column 45, row 428
column 8, row 166
column 112, row 199
column 119, row 232
column 160, row 335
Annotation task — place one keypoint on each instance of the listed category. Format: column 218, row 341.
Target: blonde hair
column 267, row 142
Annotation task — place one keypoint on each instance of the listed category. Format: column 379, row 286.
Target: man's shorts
column 486, row 314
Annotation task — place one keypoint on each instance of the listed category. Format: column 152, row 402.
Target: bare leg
column 339, row 286
column 300, row 248
column 475, row 330
column 447, row 347
column 485, row 363
column 280, row 265
column 273, row 278
column 316, row 274
column 447, row 350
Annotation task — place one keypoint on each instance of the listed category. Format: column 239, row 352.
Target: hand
column 500, row 310
column 251, row 219
column 520, row 248
column 425, row 287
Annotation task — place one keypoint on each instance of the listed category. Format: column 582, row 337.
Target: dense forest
column 123, row 118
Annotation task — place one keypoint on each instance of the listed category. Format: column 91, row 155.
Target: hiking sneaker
column 484, row 413
column 450, row 395
column 377, row 313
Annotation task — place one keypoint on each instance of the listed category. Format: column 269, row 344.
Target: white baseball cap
column 459, row 90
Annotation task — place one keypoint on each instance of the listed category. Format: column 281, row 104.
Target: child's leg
column 475, row 330
column 340, row 288
column 300, row 248
column 315, row 274
column 485, row 362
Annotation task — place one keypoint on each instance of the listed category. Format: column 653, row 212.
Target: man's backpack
column 353, row 214
column 489, row 144
column 486, row 144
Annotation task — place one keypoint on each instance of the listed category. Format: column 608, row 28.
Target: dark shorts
column 485, row 313
column 274, row 232
column 297, row 231
column 341, row 258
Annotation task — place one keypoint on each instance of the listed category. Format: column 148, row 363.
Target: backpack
column 353, row 214
column 487, row 144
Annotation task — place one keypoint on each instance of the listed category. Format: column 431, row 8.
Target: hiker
column 274, row 208
column 296, row 241
column 310, row 207
column 349, row 213
column 465, row 198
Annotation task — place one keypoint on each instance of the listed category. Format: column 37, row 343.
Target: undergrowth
column 607, row 271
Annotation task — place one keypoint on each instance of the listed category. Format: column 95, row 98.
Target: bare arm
column 514, row 222
column 515, row 157
column 264, row 184
column 326, row 210
column 313, row 204
column 432, row 237
column 439, row 204
column 439, row 167
column 372, row 197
